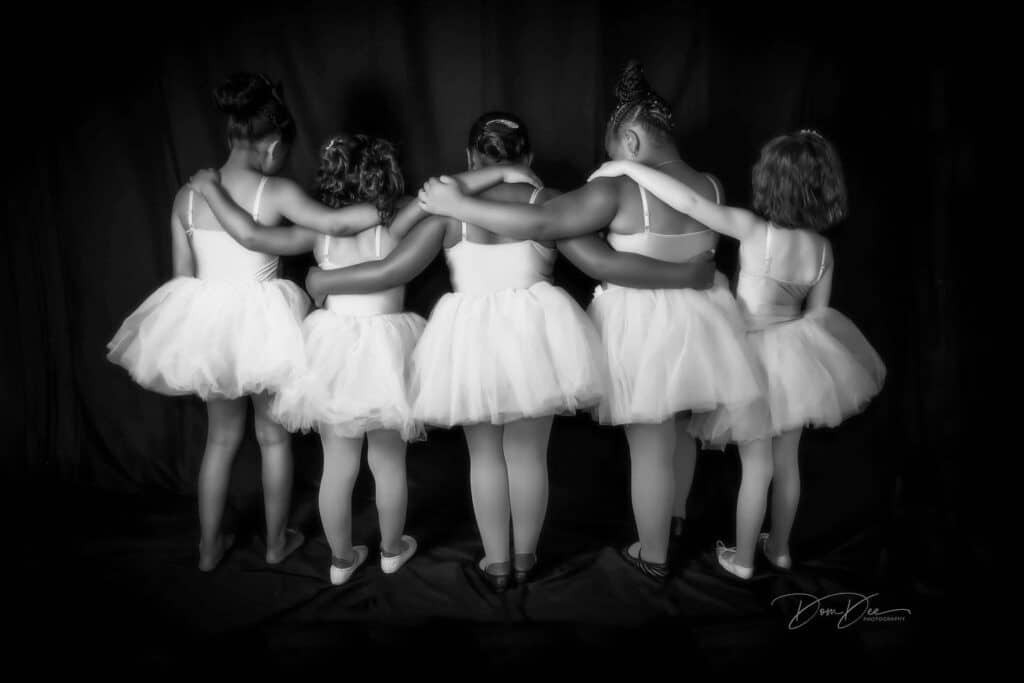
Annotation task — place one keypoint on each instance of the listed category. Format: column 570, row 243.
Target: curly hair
column 359, row 168
column 255, row 108
column 499, row 136
column 798, row 182
column 638, row 103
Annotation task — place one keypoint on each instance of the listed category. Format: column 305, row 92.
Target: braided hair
column 637, row 103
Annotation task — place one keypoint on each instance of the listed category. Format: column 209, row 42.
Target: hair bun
column 242, row 94
column 632, row 86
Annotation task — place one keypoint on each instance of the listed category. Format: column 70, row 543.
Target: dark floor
column 112, row 578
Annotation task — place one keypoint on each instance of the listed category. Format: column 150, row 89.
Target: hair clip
column 505, row 122
column 812, row 132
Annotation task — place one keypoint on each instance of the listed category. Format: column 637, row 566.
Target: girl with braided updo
column 507, row 350
column 820, row 368
column 227, row 328
column 670, row 352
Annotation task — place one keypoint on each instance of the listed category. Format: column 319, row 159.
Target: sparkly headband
column 273, row 88
column 811, row 131
column 334, row 142
column 505, row 122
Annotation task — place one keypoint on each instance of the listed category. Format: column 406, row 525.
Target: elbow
column 540, row 229
column 246, row 239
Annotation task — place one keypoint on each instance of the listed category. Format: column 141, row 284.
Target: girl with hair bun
column 226, row 328
column 507, row 350
column 670, row 351
column 820, row 368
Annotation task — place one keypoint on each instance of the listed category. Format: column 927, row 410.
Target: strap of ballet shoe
column 653, row 570
column 505, row 565
column 342, row 564
column 529, row 560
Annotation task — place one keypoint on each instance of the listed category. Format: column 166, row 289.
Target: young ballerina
column 669, row 350
column 357, row 348
column 820, row 368
column 226, row 328
column 506, row 350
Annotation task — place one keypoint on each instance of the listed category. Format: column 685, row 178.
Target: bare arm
column 301, row 209
column 573, row 214
column 820, row 294
column 408, row 260
column 181, row 251
column 595, row 257
column 473, row 182
column 737, row 223
column 250, row 234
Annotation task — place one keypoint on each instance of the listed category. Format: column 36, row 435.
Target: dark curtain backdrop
column 124, row 115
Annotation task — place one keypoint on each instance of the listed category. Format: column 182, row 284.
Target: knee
column 270, row 433
column 225, row 436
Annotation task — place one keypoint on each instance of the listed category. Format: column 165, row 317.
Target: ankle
column 345, row 560
column 400, row 547
column 524, row 561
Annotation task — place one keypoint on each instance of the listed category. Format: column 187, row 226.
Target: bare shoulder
column 180, row 206
column 611, row 185
column 508, row 192
column 281, row 186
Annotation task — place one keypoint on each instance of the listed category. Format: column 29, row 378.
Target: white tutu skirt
column 506, row 355
column 820, row 370
column 213, row 338
column 675, row 350
column 357, row 376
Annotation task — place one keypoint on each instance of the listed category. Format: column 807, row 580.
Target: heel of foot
column 293, row 540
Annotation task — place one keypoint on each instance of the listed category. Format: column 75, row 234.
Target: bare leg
column 686, row 465
column 785, row 490
column 756, row 460
column 651, row 453
column 225, row 422
column 341, row 466
column 386, row 455
column 489, row 483
column 525, row 445
column 276, row 453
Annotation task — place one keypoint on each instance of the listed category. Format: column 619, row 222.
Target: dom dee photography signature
column 846, row 608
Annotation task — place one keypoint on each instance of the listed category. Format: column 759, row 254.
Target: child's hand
column 312, row 286
column 520, row 173
column 610, row 169
column 204, row 178
column 440, row 196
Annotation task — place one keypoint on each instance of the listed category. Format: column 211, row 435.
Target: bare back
column 663, row 219
column 243, row 186
column 506, row 192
